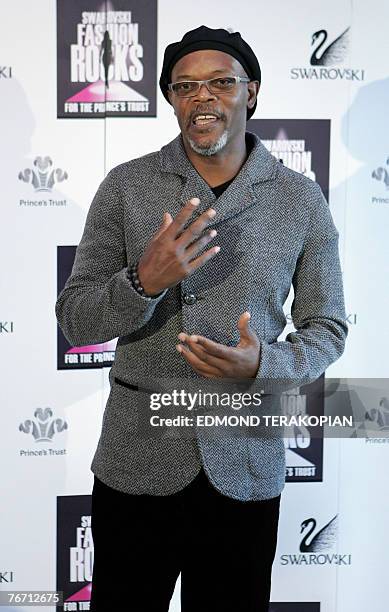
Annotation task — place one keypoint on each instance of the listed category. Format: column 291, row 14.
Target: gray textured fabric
column 275, row 229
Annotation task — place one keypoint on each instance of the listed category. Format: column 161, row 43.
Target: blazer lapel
column 259, row 167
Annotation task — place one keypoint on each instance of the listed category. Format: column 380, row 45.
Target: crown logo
column 44, row 427
column 382, row 174
column 43, row 176
column 379, row 417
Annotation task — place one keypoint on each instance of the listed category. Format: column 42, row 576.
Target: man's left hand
column 214, row 360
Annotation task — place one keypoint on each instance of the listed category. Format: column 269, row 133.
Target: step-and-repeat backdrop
column 69, row 113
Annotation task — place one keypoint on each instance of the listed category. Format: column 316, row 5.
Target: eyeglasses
column 187, row 89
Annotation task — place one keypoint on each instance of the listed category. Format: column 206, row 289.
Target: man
column 188, row 255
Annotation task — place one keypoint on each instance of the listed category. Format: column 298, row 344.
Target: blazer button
column 189, row 298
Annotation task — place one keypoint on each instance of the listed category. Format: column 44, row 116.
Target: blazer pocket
column 122, row 409
column 266, row 456
column 127, row 385
column 130, row 404
column 133, row 386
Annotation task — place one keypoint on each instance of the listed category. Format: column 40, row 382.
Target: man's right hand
column 171, row 254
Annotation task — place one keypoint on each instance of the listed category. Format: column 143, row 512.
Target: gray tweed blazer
column 275, row 230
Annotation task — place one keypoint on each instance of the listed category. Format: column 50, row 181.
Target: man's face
column 208, row 137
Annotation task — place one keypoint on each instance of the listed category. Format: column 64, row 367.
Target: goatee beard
column 209, row 149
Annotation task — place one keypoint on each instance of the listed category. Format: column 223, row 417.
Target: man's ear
column 253, row 88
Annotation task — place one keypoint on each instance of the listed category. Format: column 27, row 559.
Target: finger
column 182, row 217
column 196, row 228
column 197, row 246
column 167, row 220
column 247, row 334
column 196, row 362
column 201, row 353
column 202, row 259
column 215, row 349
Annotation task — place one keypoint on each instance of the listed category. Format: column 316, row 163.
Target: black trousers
column 224, row 549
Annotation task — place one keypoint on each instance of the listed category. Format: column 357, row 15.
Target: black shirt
column 218, row 190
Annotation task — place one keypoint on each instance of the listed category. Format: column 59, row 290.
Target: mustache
column 204, row 111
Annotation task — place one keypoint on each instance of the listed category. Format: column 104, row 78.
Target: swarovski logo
column 6, row 327
column 6, row 576
column 351, row 318
column 5, row 72
column 43, row 176
column 325, row 60
column 314, row 547
column 44, row 427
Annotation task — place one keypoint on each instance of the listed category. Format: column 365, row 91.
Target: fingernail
column 213, row 233
column 195, row 201
column 182, row 336
column 194, row 338
column 211, row 213
column 179, row 348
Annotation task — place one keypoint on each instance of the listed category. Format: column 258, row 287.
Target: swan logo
column 316, row 545
column 381, row 175
column 326, row 58
column 330, row 54
column 322, row 540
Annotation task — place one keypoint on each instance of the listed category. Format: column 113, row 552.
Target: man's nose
column 204, row 93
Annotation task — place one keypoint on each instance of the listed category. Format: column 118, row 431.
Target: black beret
column 208, row 38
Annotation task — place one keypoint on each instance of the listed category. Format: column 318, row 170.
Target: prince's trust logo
column 43, row 428
column 43, row 177
column 375, row 427
column 378, row 418
column 381, row 177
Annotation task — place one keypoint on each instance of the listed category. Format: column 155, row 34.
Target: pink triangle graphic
column 94, row 348
column 117, row 92
column 83, row 594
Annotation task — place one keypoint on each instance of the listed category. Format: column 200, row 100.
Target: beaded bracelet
column 132, row 274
